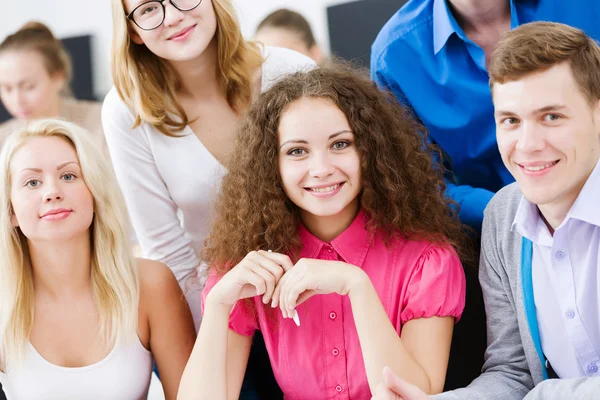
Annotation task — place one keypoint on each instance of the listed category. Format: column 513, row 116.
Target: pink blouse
column 322, row 358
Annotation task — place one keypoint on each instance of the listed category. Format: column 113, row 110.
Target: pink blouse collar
column 352, row 244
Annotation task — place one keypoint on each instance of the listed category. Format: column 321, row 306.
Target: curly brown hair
column 403, row 181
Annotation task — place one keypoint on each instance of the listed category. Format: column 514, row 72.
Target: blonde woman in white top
column 183, row 75
column 80, row 318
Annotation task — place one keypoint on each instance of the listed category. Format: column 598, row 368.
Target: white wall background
column 80, row 17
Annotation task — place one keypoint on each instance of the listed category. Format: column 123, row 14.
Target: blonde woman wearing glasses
column 80, row 318
column 183, row 75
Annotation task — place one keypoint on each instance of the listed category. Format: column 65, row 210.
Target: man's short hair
column 538, row 46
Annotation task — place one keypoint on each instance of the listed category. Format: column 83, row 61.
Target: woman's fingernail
column 296, row 318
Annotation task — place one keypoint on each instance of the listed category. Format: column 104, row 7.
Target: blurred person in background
column 35, row 71
column 289, row 29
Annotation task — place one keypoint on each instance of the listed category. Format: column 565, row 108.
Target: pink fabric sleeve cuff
column 437, row 287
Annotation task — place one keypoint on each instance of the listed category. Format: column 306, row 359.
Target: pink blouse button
column 335, row 352
column 338, row 388
column 332, row 315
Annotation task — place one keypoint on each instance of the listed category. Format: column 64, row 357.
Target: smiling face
column 49, row 197
column 548, row 135
column 318, row 161
column 183, row 35
column 27, row 90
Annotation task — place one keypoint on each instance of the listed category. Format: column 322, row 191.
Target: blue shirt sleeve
column 472, row 201
column 379, row 77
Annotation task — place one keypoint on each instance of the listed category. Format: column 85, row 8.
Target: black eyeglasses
column 151, row 14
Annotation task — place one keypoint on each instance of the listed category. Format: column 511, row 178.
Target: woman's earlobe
column 133, row 35
column 13, row 220
column 597, row 112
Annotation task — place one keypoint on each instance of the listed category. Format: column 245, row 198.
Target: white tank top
column 124, row 374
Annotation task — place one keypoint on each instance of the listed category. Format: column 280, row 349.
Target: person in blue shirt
column 432, row 54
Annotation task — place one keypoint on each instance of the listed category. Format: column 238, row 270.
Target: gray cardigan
column 512, row 368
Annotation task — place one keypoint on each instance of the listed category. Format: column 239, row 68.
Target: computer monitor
column 354, row 26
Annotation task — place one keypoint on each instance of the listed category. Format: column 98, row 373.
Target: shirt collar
column 529, row 223
column 352, row 244
column 514, row 17
column 444, row 24
column 585, row 207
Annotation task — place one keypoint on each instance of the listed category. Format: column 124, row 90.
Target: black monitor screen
column 353, row 27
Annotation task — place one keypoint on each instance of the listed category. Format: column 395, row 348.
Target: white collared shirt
column 566, row 281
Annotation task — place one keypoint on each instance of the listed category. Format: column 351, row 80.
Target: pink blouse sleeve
column 437, row 286
column 241, row 320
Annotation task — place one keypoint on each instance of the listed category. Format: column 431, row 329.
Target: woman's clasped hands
column 282, row 283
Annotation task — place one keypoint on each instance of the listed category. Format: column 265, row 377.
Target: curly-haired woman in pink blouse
column 332, row 225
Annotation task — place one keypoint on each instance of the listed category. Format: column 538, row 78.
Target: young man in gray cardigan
column 540, row 251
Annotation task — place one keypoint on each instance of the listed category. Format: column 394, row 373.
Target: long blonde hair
column 149, row 84
column 113, row 272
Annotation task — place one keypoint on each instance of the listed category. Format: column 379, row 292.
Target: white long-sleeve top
column 170, row 183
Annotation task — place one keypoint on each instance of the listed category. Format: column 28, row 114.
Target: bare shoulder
column 163, row 307
column 156, row 280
